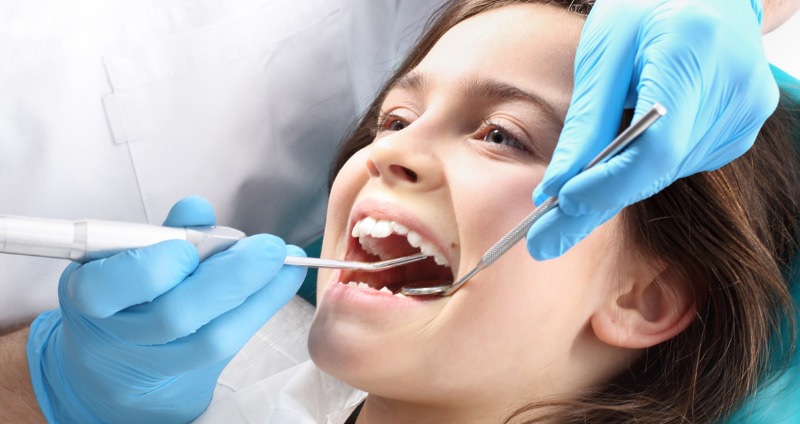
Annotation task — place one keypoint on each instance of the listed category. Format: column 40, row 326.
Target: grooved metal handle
column 518, row 232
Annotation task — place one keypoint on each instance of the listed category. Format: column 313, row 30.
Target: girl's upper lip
column 392, row 212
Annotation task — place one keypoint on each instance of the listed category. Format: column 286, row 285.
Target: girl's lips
column 368, row 248
column 369, row 300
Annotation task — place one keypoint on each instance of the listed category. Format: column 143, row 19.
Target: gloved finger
column 219, row 285
column 718, row 159
column 664, row 152
column 204, row 378
column 224, row 336
column 198, row 388
column 104, row 287
column 706, row 122
column 652, row 161
column 555, row 233
column 191, row 211
column 645, row 167
column 733, row 129
column 603, row 71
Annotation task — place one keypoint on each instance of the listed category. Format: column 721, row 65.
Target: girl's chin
column 370, row 366
column 359, row 328
column 346, row 351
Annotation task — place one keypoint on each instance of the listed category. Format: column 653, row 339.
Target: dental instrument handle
column 364, row 266
column 507, row 242
column 315, row 262
column 628, row 135
column 520, row 230
column 86, row 240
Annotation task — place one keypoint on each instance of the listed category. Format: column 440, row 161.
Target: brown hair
column 730, row 234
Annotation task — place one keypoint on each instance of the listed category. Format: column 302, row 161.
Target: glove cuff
column 56, row 400
column 41, row 330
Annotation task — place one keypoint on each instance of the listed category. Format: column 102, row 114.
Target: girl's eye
column 390, row 122
column 497, row 135
column 394, row 124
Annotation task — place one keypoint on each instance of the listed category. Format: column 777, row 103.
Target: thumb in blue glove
column 143, row 335
column 703, row 61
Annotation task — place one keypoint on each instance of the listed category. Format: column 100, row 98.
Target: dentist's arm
column 17, row 401
column 776, row 12
column 143, row 335
column 703, row 60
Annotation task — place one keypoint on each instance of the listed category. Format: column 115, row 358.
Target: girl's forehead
column 527, row 46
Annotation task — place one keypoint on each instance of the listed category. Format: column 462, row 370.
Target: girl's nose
column 400, row 161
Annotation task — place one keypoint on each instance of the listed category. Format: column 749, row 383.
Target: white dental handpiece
column 86, row 240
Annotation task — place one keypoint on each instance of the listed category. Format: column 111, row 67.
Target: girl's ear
column 647, row 307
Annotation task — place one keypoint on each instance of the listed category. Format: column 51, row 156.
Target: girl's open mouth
column 374, row 240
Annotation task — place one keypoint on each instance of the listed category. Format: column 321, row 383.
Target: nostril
column 410, row 175
column 372, row 168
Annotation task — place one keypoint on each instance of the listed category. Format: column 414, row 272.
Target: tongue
column 425, row 273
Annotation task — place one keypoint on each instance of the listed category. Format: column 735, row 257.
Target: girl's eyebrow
column 486, row 88
column 413, row 81
column 490, row 88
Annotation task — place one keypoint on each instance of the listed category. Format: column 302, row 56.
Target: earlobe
column 645, row 312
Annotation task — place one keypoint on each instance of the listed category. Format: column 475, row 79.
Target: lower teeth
column 362, row 285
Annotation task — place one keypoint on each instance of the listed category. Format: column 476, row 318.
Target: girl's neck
column 376, row 410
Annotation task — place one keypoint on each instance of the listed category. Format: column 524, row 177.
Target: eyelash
column 489, row 126
column 388, row 118
column 383, row 118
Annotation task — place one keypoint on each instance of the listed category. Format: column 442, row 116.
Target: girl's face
column 461, row 144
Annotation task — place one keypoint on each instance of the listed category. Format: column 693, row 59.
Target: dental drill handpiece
column 87, row 240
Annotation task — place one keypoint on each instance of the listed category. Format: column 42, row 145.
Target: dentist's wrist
column 775, row 12
column 56, row 400
column 17, row 400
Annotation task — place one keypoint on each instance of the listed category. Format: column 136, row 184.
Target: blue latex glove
column 703, row 60
column 142, row 336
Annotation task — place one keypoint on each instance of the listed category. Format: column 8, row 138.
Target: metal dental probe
column 87, row 240
column 520, row 230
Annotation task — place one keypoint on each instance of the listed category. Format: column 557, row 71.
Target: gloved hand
column 703, row 60
column 142, row 336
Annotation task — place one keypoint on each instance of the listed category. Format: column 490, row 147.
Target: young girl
column 673, row 311
column 663, row 314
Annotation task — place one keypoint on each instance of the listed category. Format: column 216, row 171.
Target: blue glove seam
column 34, row 351
column 758, row 9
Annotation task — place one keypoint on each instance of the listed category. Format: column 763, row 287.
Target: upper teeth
column 369, row 227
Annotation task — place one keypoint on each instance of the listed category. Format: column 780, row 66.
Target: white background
column 782, row 46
